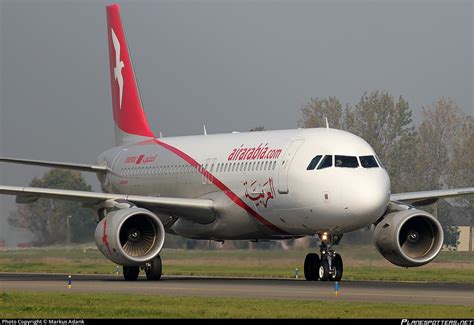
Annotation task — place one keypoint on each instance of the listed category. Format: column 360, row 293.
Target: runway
column 364, row 291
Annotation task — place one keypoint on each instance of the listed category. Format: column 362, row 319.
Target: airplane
column 270, row 185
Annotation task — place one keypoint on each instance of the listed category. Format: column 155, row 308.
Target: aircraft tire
column 311, row 265
column 130, row 273
column 339, row 268
column 323, row 270
column 153, row 269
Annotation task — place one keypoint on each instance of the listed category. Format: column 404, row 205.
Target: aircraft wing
column 429, row 197
column 198, row 210
column 55, row 164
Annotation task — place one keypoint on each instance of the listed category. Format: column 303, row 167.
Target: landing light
column 324, row 237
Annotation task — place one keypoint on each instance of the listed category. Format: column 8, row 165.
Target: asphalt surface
column 363, row 291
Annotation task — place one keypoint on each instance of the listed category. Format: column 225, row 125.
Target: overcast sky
column 232, row 65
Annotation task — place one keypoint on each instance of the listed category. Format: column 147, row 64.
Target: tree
column 386, row 124
column 461, row 164
column 437, row 136
column 445, row 157
column 46, row 218
column 461, row 168
column 315, row 112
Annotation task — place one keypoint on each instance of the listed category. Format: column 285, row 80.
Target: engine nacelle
column 130, row 237
column 409, row 238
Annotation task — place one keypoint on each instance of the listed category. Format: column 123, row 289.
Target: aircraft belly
column 237, row 226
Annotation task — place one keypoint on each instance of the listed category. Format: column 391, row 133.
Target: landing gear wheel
column 323, row 271
column 311, row 265
column 130, row 273
column 153, row 269
column 337, row 268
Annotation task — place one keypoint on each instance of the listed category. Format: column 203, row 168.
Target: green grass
column 360, row 263
column 72, row 305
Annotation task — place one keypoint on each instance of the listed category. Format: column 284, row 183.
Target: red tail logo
column 127, row 108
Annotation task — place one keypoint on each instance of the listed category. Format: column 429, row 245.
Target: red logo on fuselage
column 260, row 193
column 140, row 159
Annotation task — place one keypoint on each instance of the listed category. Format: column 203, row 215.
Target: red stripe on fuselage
column 234, row 197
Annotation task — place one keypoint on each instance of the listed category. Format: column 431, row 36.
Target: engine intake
column 131, row 236
column 409, row 238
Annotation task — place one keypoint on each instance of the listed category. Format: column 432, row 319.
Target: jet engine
column 409, row 238
column 130, row 237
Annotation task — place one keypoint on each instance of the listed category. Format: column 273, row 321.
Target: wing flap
column 197, row 210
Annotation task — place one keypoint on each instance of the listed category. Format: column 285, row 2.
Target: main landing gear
column 152, row 270
column 329, row 266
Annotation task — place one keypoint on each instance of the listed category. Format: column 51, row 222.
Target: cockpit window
column 327, row 162
column 378, row 160
column 314, row 162
column 346, row 161
column 368, row 161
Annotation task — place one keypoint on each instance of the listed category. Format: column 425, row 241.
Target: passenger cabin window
column 346, row 161
column 326, row 163
column 314, row 162
column 368, row 161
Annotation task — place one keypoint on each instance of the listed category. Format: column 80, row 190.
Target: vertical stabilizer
column 130, row 120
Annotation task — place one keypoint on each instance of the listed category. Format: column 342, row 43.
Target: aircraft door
column 285, row 165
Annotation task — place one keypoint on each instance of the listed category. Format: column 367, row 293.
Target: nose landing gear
column 329, row 266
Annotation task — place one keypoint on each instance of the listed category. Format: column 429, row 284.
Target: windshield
column 314, row 162
column 346, row 161
column 327, row 162
column 368, row 161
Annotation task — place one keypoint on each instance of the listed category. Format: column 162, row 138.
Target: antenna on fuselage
column 327, row 123
column 204, row 127
column 161, row 135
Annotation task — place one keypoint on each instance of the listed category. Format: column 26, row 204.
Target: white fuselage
column 259, row 181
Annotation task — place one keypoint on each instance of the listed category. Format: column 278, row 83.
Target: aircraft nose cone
column 369, row 197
